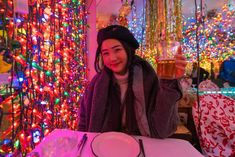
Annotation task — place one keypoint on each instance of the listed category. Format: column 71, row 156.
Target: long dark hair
column 98, row 64
column 131, row 121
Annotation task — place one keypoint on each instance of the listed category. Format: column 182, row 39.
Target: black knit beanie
column 120, row 33
column 117, row 32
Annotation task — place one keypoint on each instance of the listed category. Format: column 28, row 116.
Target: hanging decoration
column 120, row 18
column 4, row 66
column 137, row 25
column 216, row 37
column 163, row 22
column 45, row 53
column 124, row 11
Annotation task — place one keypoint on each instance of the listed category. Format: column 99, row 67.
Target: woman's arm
column 84, row 113
column 165, row 114
column 82, row 117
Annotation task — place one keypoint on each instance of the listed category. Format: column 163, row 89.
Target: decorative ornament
column 124, row 11
column 4, row 67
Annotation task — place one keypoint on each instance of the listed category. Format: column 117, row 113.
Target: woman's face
column 114, row 56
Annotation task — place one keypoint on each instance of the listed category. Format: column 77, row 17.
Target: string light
column 215, row 39
column 48, row 49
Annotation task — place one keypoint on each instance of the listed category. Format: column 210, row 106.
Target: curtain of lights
column 45, row 54
column 163, row 22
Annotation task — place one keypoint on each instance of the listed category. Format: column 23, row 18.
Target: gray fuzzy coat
column 155, row 104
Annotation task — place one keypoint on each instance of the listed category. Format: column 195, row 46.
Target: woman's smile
column 114, row 56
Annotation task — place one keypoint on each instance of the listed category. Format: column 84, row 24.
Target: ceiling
column 105, row 8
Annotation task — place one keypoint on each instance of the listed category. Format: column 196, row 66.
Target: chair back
column 215, row 117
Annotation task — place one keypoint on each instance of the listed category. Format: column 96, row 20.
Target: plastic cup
column 166, row 51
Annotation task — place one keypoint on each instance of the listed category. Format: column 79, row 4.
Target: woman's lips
column 114, row 64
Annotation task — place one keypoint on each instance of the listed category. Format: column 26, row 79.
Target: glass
column 166, row 51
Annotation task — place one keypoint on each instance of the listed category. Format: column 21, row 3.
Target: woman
column 125, row 95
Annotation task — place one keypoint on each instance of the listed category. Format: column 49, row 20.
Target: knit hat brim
column 117, row 32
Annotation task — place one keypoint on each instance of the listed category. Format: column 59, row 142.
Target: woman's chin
column 119, row 72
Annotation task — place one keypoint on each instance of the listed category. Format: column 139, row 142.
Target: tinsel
column 163, row 22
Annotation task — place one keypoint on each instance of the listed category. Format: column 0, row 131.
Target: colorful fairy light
column 48, row 50
column 137, row 24
column 161, row 21
column 215, row 37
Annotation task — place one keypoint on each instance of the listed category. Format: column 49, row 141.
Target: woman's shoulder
column 91, row 84
column 95, row 78
column 99, row 77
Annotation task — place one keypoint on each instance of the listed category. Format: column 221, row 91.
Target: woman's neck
column 122, row 81
column 121, row 78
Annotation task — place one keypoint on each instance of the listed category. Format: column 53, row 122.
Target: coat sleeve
column 85, row 106
column 165, row 112
column 82, row 116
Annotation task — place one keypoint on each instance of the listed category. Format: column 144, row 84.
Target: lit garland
column 120, row 19
column 163, row 22
column 124, row 11
column 49, row 73
column 137, row 25
column 216, row 38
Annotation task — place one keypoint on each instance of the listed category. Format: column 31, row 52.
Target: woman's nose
column 113, row 57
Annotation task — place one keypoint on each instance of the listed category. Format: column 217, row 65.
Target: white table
column 67, row 140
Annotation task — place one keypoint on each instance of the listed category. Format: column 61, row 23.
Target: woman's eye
column 105, row 53
column 118, row 50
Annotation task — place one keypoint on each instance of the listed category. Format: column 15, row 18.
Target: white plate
column 115, row 144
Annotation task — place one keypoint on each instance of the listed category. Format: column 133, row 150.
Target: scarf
column 105, row 103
